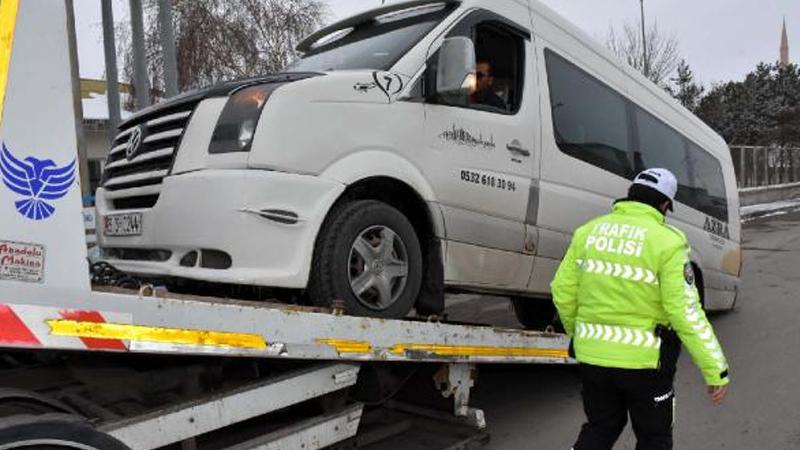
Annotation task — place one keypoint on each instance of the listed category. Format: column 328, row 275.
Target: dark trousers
column 610, row 395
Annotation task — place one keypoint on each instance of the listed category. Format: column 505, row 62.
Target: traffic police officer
column 625, row 293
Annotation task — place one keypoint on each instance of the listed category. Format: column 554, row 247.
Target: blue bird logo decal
column 38, row 181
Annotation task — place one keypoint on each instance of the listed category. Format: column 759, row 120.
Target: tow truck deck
column 153, row 323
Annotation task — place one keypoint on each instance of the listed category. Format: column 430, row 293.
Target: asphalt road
column 539, row 407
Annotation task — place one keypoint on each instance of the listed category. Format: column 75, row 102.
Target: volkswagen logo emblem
column 134, row 143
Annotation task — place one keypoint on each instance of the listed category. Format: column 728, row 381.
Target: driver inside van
column 484, row 93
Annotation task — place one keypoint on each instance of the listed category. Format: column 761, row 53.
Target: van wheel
column 368, row 255
column 53, row 432
column 535, row 313
column 698, row 283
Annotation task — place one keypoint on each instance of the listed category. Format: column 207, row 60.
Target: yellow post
column 8, row 20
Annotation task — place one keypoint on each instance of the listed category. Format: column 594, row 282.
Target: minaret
column 784, row 46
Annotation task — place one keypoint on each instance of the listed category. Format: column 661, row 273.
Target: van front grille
column 143, row 202
column 142, row 155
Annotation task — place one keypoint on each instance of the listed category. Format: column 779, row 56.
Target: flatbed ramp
column 132, row 327
column 160, row 323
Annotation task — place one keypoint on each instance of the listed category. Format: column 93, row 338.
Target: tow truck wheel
column 368, row 256
column 535, row 313
column 53, row 432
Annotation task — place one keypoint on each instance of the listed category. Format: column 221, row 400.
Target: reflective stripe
column 13, row 330
column 347, row 346
column 704, row 332
column 479, row 351
column 155, row 334
column 8, row 21
column 617, row 270
column 618, row 335
column 92, row 343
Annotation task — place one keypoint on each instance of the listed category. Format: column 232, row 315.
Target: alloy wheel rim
column 378, row 267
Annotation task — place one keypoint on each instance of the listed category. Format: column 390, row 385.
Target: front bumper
column 233, row 212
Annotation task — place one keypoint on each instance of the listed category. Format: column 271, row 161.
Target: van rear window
column 709, row 184
column 596, row 124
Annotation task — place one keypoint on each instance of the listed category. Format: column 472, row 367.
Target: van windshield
column 375, row 45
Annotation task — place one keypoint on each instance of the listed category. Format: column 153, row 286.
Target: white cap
column 662, row 180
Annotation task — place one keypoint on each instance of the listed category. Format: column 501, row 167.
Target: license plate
column 123, row 225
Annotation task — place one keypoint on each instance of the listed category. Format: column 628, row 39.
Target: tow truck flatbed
column 165, row 323
column 155, row 323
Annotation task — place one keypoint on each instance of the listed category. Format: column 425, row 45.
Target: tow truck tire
column 535, row 313
column 363, row 246
column 53, row 432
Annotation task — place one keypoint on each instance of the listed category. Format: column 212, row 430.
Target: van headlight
column 237, row 124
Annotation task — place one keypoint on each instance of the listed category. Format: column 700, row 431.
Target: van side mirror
column 455, row 73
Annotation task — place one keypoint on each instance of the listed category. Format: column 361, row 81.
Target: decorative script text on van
column 460, row 136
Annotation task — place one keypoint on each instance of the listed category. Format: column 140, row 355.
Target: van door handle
column 516, row 147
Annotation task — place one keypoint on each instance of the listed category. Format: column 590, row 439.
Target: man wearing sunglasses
column 484, row 93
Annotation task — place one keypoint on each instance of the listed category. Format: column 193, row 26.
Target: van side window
column 590, row 120
column 500, row 68
column 708, row 189
column 700, row 182
column 662, row 147
column 597, row 125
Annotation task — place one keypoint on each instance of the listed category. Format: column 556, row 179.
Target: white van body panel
column 193, row 151
column 379, row 163
column 310, row 125
column 482, row 186
column 221, row 210
column 592, row 193
column 504, row 218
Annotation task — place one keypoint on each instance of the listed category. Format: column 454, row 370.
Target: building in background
column 96, row 124
column 784, row 45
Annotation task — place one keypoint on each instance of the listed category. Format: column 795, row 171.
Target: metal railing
column 766, row 166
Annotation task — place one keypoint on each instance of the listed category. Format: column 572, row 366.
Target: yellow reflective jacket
column 624, row 274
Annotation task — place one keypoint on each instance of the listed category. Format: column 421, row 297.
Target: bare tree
column 219, row 40
column 662, row 51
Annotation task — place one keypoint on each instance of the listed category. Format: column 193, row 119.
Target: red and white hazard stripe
column 26, row 326
column 14, row 331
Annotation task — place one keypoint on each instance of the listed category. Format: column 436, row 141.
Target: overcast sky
column 721, row 39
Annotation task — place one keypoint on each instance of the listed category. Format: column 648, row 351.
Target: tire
column 368, row 256
column 15, row 402
column 53, row 432
column 698, row 283
column 535, row 313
